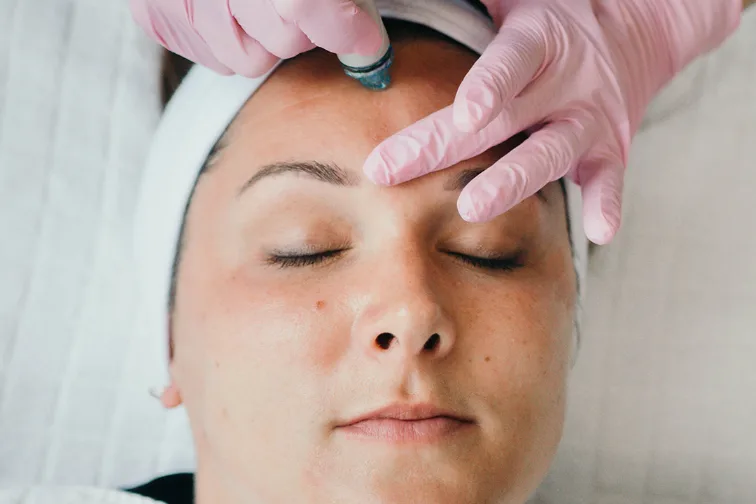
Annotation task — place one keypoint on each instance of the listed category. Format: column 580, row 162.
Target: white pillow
column 78, row 104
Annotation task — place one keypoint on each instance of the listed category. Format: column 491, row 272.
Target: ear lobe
column 170, row 397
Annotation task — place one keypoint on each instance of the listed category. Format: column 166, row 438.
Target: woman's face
column 309, row 297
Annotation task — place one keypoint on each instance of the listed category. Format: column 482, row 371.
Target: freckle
column 488, row 359
column 320, row 305
column 224, row 413
column 217, row 364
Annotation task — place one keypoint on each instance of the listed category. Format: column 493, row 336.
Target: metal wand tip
column 375, row 77
column 378, row 80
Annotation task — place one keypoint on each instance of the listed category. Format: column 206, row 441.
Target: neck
column 212, row 486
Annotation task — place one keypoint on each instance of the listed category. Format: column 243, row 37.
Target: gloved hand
column 249, row 36
column 583, row 72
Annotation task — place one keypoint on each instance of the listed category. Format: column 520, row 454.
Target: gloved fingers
column 434, row 143
column 338, row 26
column 140, row 11
column 547, row 155
column 184, row 41
column 504, row 69
column 601, row 182
column 230, row 43
column 430, row 144
column 278, row 36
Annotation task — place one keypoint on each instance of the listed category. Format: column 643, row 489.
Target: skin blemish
column 488, row 359
column 320, row 305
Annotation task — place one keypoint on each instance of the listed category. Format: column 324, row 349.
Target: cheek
column 247, row 331
column 517, row 348
column 526, row 323
column 255, row 364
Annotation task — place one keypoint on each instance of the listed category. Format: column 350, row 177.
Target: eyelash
column 486, row 263
column 302, row 260
column 510, row 263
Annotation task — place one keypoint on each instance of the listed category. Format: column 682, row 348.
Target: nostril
column 384, row 340
column 432, row 342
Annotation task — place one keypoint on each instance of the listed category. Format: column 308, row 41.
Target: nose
column 404, row 315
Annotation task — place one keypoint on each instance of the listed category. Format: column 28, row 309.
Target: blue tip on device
column 371, row 71
column 375, row 76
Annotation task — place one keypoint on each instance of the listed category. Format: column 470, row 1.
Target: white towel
column 69, row 495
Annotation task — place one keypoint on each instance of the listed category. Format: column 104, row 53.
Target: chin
column 429, row 484
column 430, row 494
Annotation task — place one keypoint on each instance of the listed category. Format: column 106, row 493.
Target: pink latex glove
column 248, row 37
column 584, row 71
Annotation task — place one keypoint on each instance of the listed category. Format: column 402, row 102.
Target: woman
column 337, row 341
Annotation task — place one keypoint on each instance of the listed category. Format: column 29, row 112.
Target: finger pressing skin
column 434, row 143
column 549, row 154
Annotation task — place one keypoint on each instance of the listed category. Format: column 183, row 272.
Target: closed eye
column 294, row 260
column 509, row 263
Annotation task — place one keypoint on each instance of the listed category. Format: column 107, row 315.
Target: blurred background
column 662, row 399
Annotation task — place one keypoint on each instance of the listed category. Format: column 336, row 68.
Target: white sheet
column 69, row 495
column 663, row 395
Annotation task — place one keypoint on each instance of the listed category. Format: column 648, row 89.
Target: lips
column 420, row 423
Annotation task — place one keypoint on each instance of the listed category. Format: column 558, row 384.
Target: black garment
column 173, row 489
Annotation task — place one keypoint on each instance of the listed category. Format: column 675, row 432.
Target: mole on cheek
column 320, row 305
column 488, row 359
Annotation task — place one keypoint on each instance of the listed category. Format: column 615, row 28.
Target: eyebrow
column 335, row 175
column 324, row 172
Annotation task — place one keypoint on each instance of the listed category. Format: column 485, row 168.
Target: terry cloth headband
column 197, row 116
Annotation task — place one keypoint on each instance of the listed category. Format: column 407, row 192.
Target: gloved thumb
column 601, row 183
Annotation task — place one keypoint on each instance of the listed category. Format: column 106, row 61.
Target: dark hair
column 173, row 69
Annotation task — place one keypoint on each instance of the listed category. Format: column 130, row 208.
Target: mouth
column 400, row 424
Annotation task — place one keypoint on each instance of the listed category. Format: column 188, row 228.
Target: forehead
column 309, row 109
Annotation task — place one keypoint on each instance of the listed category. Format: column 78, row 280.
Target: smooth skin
column 276, row 347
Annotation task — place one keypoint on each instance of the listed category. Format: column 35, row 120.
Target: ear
column 170, row 397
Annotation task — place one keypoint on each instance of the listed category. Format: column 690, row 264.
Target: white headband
column 199, row 113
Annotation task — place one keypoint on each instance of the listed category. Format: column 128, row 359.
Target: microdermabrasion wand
column 372, row 71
